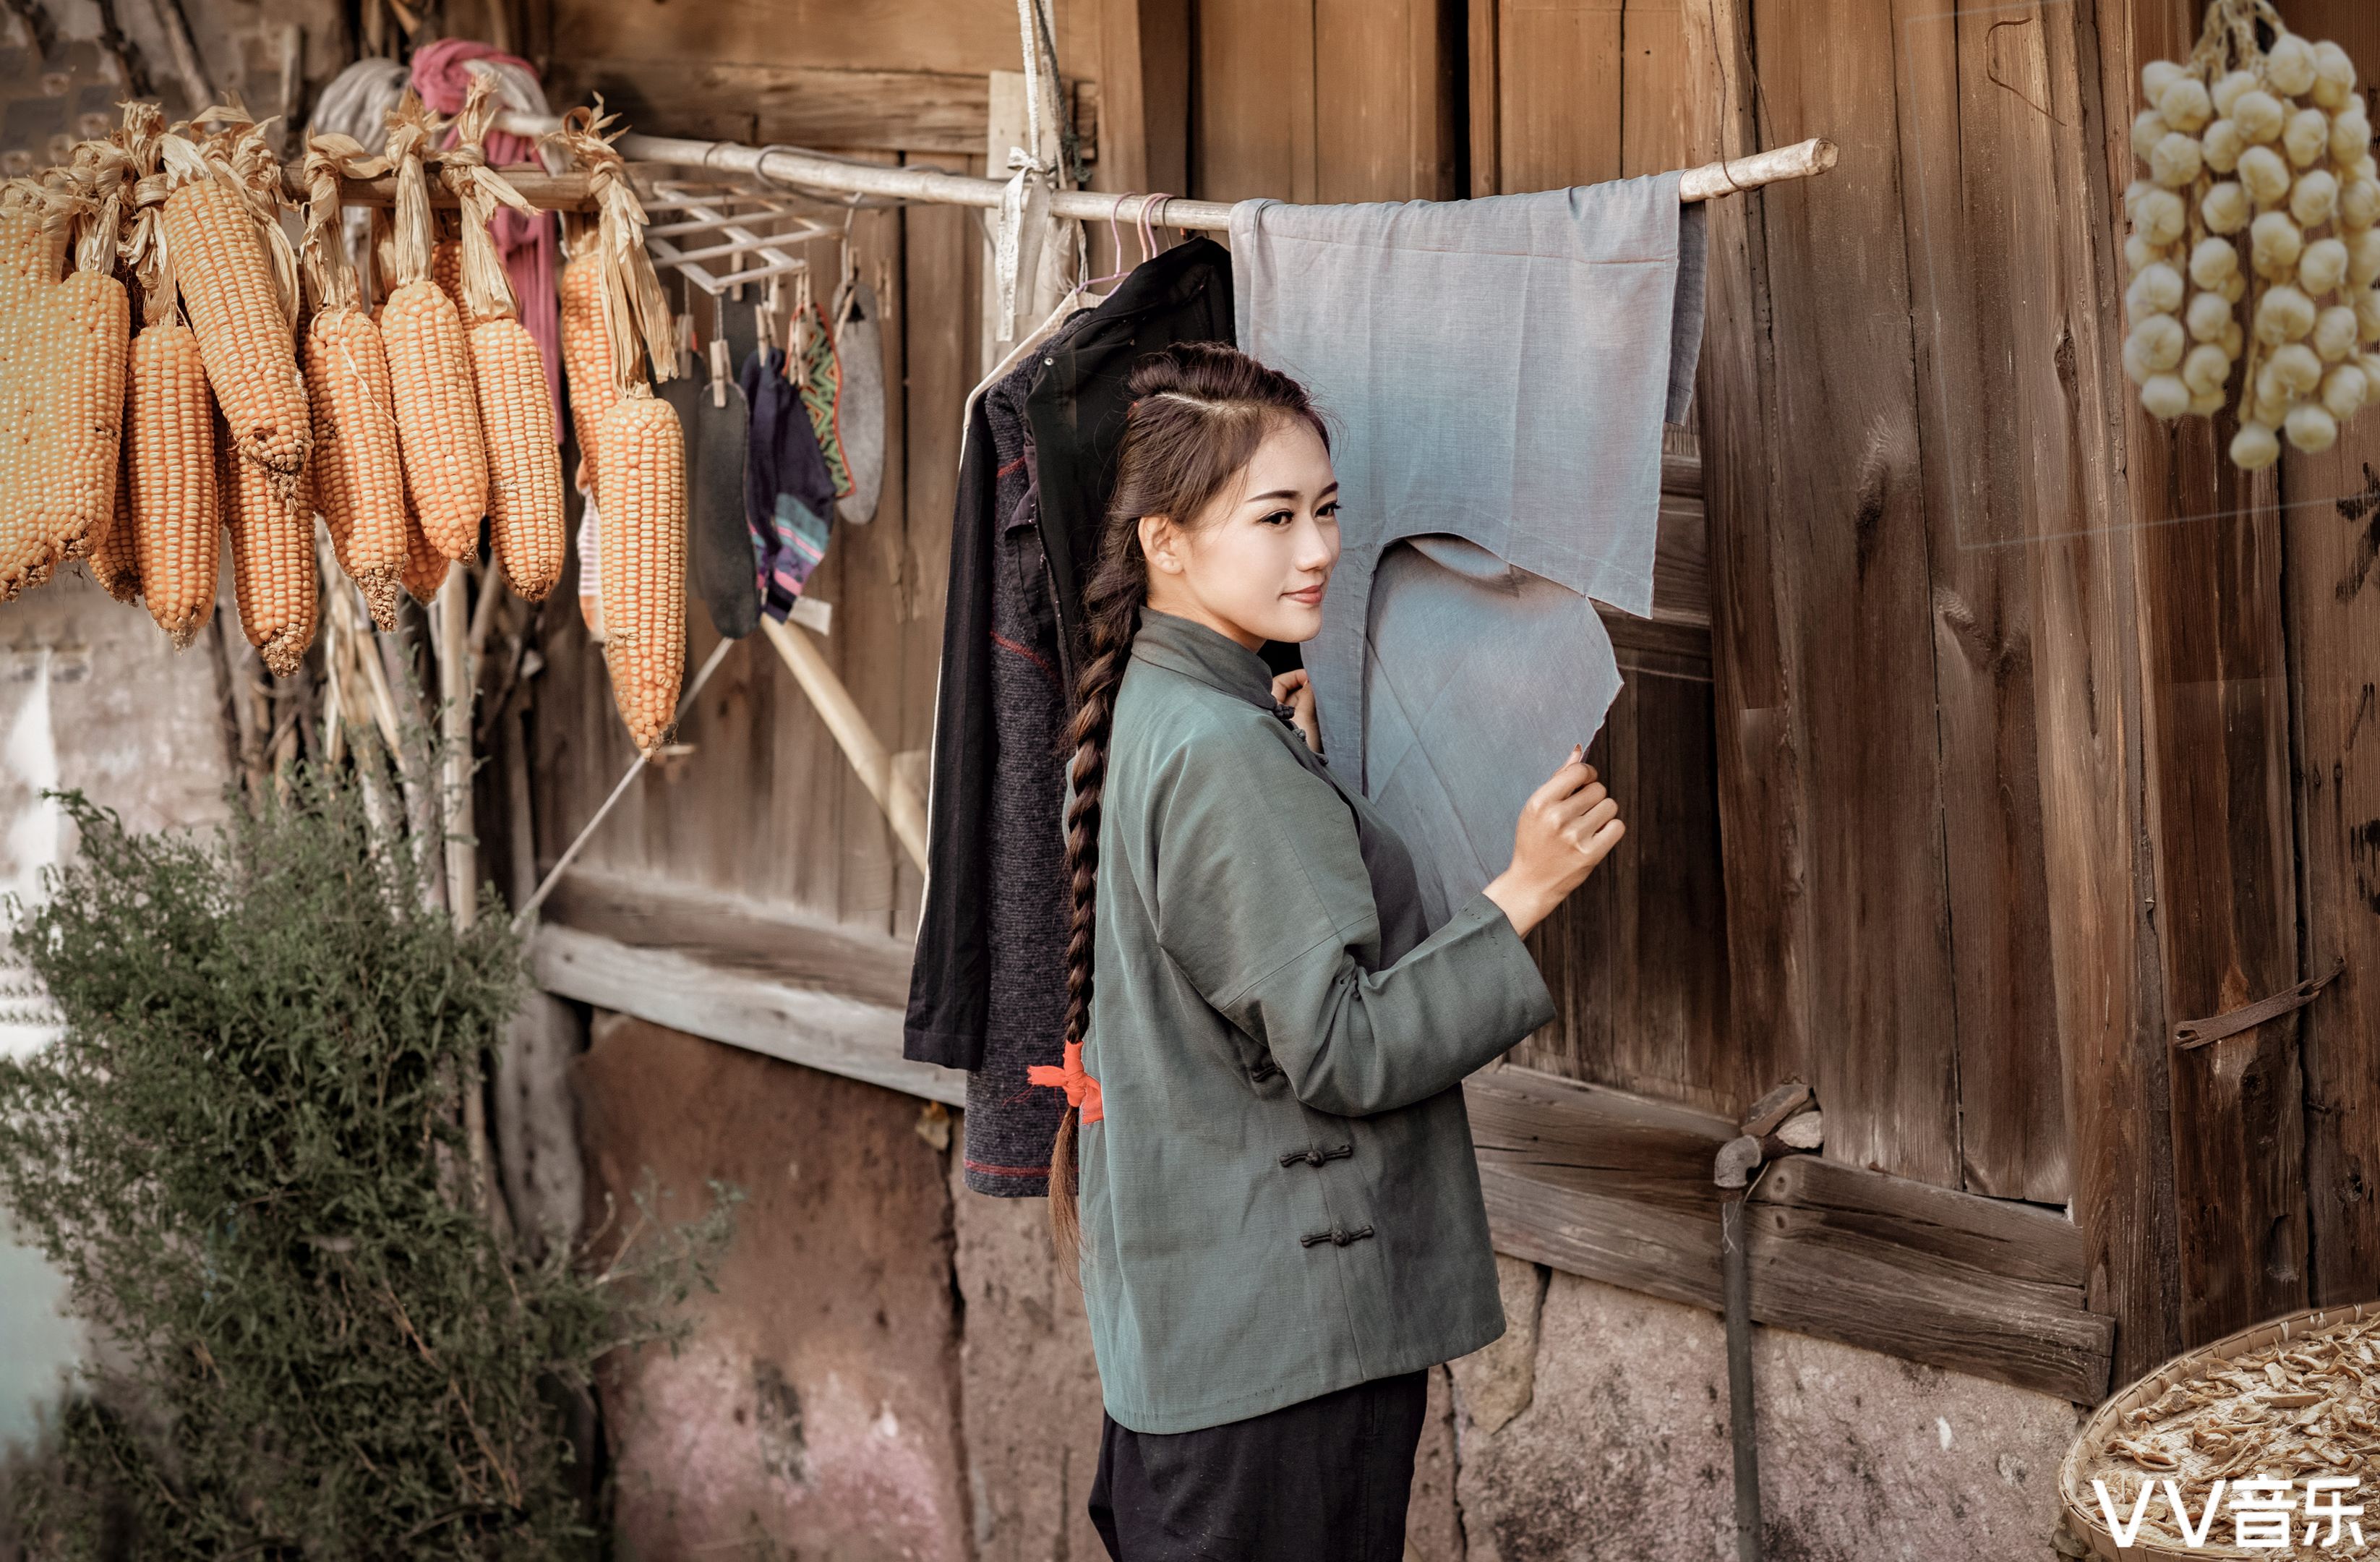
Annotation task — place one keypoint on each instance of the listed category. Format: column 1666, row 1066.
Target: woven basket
column 2083, row 1505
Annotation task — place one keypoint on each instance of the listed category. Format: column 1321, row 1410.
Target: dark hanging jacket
column 1073, row 415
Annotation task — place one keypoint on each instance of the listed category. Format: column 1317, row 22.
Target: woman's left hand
column 1295, row 690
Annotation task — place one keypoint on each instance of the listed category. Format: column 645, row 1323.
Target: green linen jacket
column 1281, row 1198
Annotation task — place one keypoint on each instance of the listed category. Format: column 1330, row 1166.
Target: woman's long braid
column 1111, row 608
column 1200, row 409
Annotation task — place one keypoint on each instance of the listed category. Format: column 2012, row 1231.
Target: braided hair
column 1198, row 413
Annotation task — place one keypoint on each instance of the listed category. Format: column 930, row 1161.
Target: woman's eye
column 1327, row 512
column 1278, row 518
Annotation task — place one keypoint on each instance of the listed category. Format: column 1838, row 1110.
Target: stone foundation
column 894, row 1367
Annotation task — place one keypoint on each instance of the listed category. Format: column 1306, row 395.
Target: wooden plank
column 1769, row 917
column 732, row 935
column 1559, row 92
column 1852, row 557
column 2215, row 732
column 1485, row 89
column 1986, row 208
column 1619, row 1189
column 928, row 35
column 1144, row 78
column 1384, row 95
column 2331, row 530
column 814, row 1026
column 1653, row 65
column 1255, row 120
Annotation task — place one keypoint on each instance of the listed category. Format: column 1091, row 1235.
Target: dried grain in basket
column 2186, row 1409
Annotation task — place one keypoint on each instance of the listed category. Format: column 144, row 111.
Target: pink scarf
column 531, row 250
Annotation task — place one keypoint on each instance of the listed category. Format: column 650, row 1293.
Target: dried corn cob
column 115, row 560
column 272, row 530
column 93, row 326
column 643, row 564
column 446, row 270
column 642, row 455
column 587, row 355
column 222, row 229
column 359, row 482
column 169, row 438
column 425, row 566
column 444, row 456
column 526, row 518
column 33, row 241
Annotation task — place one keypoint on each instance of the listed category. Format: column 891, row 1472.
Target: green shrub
column 245, row 1156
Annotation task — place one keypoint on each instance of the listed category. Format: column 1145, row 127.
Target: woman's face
column 1255, row 564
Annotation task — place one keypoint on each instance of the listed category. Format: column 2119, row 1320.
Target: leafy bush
column 245, row 1156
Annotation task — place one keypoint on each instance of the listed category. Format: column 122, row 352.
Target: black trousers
column 1325, row 1480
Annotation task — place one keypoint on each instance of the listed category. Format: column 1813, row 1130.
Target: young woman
column 1280, row 1226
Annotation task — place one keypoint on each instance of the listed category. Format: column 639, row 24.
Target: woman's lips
column 1311, row 596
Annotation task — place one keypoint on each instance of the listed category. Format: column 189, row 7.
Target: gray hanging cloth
column 1498, row 372
column 859, row 347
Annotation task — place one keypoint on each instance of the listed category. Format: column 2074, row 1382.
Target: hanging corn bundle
column 2270, row 144
column 642, row 455
column 445, row 454
column 96, row 330
column 526, row 518
column 169, row 421
column 239, row 282
column 357, row 481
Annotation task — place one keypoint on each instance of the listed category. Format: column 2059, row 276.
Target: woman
column 1279, row 1228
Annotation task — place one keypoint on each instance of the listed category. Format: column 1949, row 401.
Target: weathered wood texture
column 2331, row 539
column 1620, row 1188
column 765, row 806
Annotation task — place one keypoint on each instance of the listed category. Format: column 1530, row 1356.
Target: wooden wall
column 2008, row 728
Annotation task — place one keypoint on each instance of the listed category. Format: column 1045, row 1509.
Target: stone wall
column 937, row 1368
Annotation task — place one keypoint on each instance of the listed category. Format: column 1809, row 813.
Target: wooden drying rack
column 814, row 172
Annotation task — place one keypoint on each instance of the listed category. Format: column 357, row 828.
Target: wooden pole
column 860, row 745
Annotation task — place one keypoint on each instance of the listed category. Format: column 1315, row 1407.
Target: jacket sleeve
column 1264, row 906
column 949, row 985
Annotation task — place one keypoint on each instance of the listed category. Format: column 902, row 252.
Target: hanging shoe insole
column 859, row 348
column 725, row 575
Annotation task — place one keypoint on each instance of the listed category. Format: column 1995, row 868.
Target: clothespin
column 685, row 345
column 719, row 372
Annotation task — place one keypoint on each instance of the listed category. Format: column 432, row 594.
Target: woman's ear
column 1158, row 537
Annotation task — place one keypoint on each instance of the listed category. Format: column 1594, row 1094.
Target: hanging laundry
column 711, row 411
column 859, row 355
column 988, row 990
column 820, row 373
column 787, row 490
column 1500, row 371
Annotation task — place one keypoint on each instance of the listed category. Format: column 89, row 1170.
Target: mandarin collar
column 1214, row 659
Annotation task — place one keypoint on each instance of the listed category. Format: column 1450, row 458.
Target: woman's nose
column 1317, row 546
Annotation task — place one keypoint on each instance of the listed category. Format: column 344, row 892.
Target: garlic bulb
column 2334, row 75
column 2351, row 135
column 2259, row 114
column 2175, row 160
column 2310, row 428
column 2209, row 313
column 2322, row 267
column 2147, row 130
column 2153, row 348
column 2157, row 75
column 2275, row 244
column 2359, row 204
column 2337, row 334
column 2162, row 217
column 2164, row 395
column 2307, row 136
column 2254, row 449
column 2367, row 315
column 2296, row 369
column 2205, row 404
column 2283, row 314
column 2210, row 262
column 2226, row 90
column 2262, row 174
column 2344, row 390
column 2205, row 369
column 2222, row 145
column 2289, row 65
column 2364, row 257
column 2186, row 104
column 2158, row 290
column 2225, row 208
column 2315, row 198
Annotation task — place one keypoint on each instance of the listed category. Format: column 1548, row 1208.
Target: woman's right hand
column 1567, row 827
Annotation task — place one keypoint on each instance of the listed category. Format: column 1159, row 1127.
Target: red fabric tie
column 1082, row 1091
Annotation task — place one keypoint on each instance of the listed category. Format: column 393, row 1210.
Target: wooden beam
column 547, row 192
column 2331, row 530
column 1143, row 70
column 817, row 1027
column 1619, row 1189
